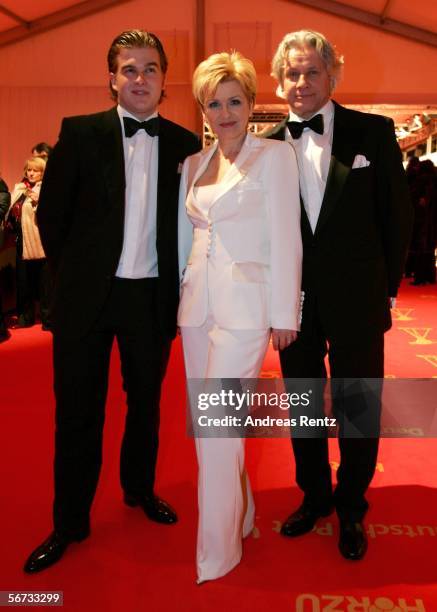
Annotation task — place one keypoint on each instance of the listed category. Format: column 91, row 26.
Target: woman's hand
column 33, row 196
column 281, row 338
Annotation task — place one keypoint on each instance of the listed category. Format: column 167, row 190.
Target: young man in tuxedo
column 356, row 217
column 108, row 222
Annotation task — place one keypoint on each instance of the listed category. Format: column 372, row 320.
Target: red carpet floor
column 130, row 564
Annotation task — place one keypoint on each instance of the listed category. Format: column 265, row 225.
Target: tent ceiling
column 393, row 16
column 21, row 18
column 418, row 13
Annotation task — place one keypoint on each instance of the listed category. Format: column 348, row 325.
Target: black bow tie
column 131, row 126
column 296, row 127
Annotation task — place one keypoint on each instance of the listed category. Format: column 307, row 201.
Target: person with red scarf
column 32, row 275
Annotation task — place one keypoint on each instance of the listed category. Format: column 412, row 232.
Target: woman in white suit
column 240, row 262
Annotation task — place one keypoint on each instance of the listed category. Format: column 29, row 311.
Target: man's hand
column 281, row 338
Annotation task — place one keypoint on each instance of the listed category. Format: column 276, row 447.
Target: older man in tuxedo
column 356, row 217
column 108, row 222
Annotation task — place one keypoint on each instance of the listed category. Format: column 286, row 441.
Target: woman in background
column 5, row 201
column 32, row 274
column 240, row 254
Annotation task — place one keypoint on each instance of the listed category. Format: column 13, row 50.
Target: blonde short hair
column 221, row 67
column 38, row 162
column 308, row 38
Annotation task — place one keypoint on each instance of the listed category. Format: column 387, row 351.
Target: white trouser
column 226, row 507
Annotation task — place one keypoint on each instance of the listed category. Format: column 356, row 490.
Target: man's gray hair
column 308, row 38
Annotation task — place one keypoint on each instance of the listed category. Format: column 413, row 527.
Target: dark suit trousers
column 352, row 357
column 33, row 283
column 81, row 369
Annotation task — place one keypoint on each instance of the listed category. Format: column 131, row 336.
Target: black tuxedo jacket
column 5, row 199
column 81, row 217
column 354, row 260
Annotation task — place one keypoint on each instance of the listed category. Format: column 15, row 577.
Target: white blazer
column 241, row 261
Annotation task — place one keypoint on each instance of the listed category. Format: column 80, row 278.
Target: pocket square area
column 360, row 161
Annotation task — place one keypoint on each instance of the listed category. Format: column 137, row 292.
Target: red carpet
column 131, row 564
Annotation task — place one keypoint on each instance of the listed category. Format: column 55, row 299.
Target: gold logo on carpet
column 432, row 359
column 277, row 526
column 270, row 374
column 402, row 314
column 374, row 530
column 411, row 531
column 335, row 465
column 310, row 602
column 420, row 334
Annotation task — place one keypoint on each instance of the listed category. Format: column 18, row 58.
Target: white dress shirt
column 139, row 257
column 313, row 152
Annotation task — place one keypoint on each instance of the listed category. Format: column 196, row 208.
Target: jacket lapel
column 167, row 158
column 204, row 160
column 343, row 147
column 109, row 137
column 277, row 132
column 236, row 172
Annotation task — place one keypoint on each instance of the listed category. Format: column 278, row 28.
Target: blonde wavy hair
column 221, row 67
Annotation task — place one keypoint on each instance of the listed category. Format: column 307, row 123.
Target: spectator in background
column 42, row 149
column 415, row 123
column 424, row 240
column 33, row 280
column 412, row 171
column 5, row 200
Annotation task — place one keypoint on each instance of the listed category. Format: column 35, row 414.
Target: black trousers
column 81, row 370
column 349, row 358
column 3, row 329
column 33, row 284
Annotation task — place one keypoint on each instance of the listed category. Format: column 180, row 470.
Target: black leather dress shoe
column 302, row 521
column 156, row 509
column 50, row 551
column 353, row 540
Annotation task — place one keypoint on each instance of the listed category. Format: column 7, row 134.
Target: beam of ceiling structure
column 54, row 20
column 370, row 19
column 199, row 50
column 385, row 11
column 14, row 16
column 199, row 54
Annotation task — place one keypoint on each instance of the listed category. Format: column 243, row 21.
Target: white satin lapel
column 203, row 163
column 238, row 170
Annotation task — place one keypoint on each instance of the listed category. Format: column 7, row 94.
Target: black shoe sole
column 352, row 558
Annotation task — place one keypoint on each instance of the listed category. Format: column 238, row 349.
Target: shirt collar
column 122, row 112
column 327, row 111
